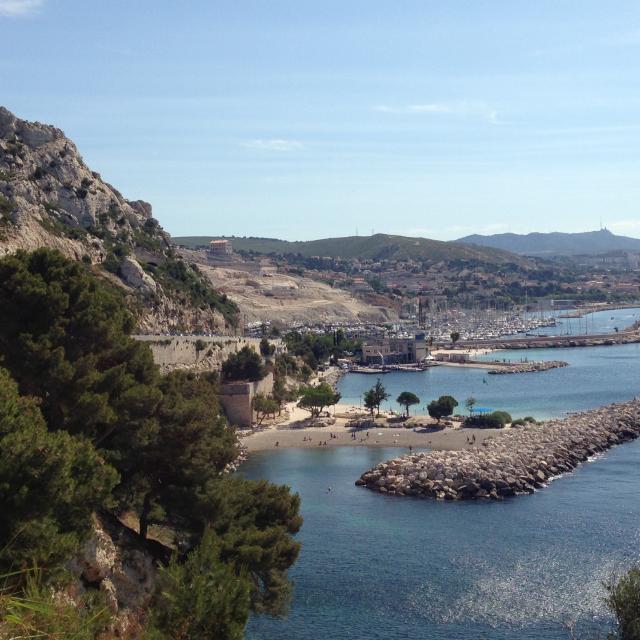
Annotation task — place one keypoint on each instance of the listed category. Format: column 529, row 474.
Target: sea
column 530, row 567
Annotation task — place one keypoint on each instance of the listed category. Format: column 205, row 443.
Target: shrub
column 623, row 601
column 503, row 416
column 244, row 365
column 495, row 420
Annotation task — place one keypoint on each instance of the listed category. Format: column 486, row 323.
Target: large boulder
column 134, row 275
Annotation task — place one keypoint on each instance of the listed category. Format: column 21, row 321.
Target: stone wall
column 179, row 352
column 236, row 399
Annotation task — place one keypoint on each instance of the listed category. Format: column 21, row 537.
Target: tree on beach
column 375, row 396
column 315, row 399
column 263, row 406
column 455, row 336
column 406, row 399
column 442, row 407
column 470, row 403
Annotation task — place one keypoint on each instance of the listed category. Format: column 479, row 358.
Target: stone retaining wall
column 517, row 461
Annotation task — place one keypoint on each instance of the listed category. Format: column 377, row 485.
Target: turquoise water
column 377, row 567
column 595, row 376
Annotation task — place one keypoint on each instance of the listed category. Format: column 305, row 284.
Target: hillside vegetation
column 92, row 438
column 380, row 246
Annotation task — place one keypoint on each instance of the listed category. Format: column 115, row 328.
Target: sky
column 301, row 119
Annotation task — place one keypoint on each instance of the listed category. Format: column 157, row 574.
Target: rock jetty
column 528, row 367
column 514, row 462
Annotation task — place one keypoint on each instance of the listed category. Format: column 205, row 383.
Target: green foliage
column 36, row 612
column 6, row 206
column 49, row 485
column 201, row 597
column 470, row 403
column 176, row 275
column 65, row 340
column 503, row 416
column 494, row 420
column 406, row 399
column 255, row 521
column 102, row 405
column 244, row 365
column 264, row 405
column 315, row 399
column 623, row 600
column 315, row 348
column 442, row 407
column 200, row 345
column 377, row 247
column 375, row 396
column 266, row 348
column 146, row 239
column 455, row 336
column 185, row 447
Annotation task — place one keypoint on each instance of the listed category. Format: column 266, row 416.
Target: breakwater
column 528, row 367
column 514, row 462
column 629, row 336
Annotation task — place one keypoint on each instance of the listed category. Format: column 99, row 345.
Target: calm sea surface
column 598, row 322
column 595, row 376
column 375, row 567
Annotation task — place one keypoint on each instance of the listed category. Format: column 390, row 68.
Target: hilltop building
column 220, row 249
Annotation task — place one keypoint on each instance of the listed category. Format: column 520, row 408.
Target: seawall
column 516, row 461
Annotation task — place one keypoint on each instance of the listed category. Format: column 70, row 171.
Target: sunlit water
column 378, row 567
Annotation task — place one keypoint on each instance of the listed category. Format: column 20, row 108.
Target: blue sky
column 304, row 119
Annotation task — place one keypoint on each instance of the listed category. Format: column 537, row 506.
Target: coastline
column 298, row 432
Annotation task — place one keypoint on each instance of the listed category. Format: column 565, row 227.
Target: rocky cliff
column 49, row 197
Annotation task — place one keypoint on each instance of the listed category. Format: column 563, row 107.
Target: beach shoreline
column 297, row 432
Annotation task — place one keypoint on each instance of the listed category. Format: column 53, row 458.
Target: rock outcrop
column 114, row 561
column 50, row 198
column 514, row 462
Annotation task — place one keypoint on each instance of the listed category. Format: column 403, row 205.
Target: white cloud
column 463, row 108
column 19, row 8
column 273, row 144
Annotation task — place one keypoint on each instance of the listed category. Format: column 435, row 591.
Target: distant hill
column 377, row 247
column 556, row 244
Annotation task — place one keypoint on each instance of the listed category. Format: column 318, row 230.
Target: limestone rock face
column 114, row 561
column 133, row 274
column 50, row 198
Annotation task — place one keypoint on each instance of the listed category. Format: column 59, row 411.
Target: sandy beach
column 293, row 433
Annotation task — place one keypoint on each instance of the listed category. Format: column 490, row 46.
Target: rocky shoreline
column 515, row 462
column 528, row 367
